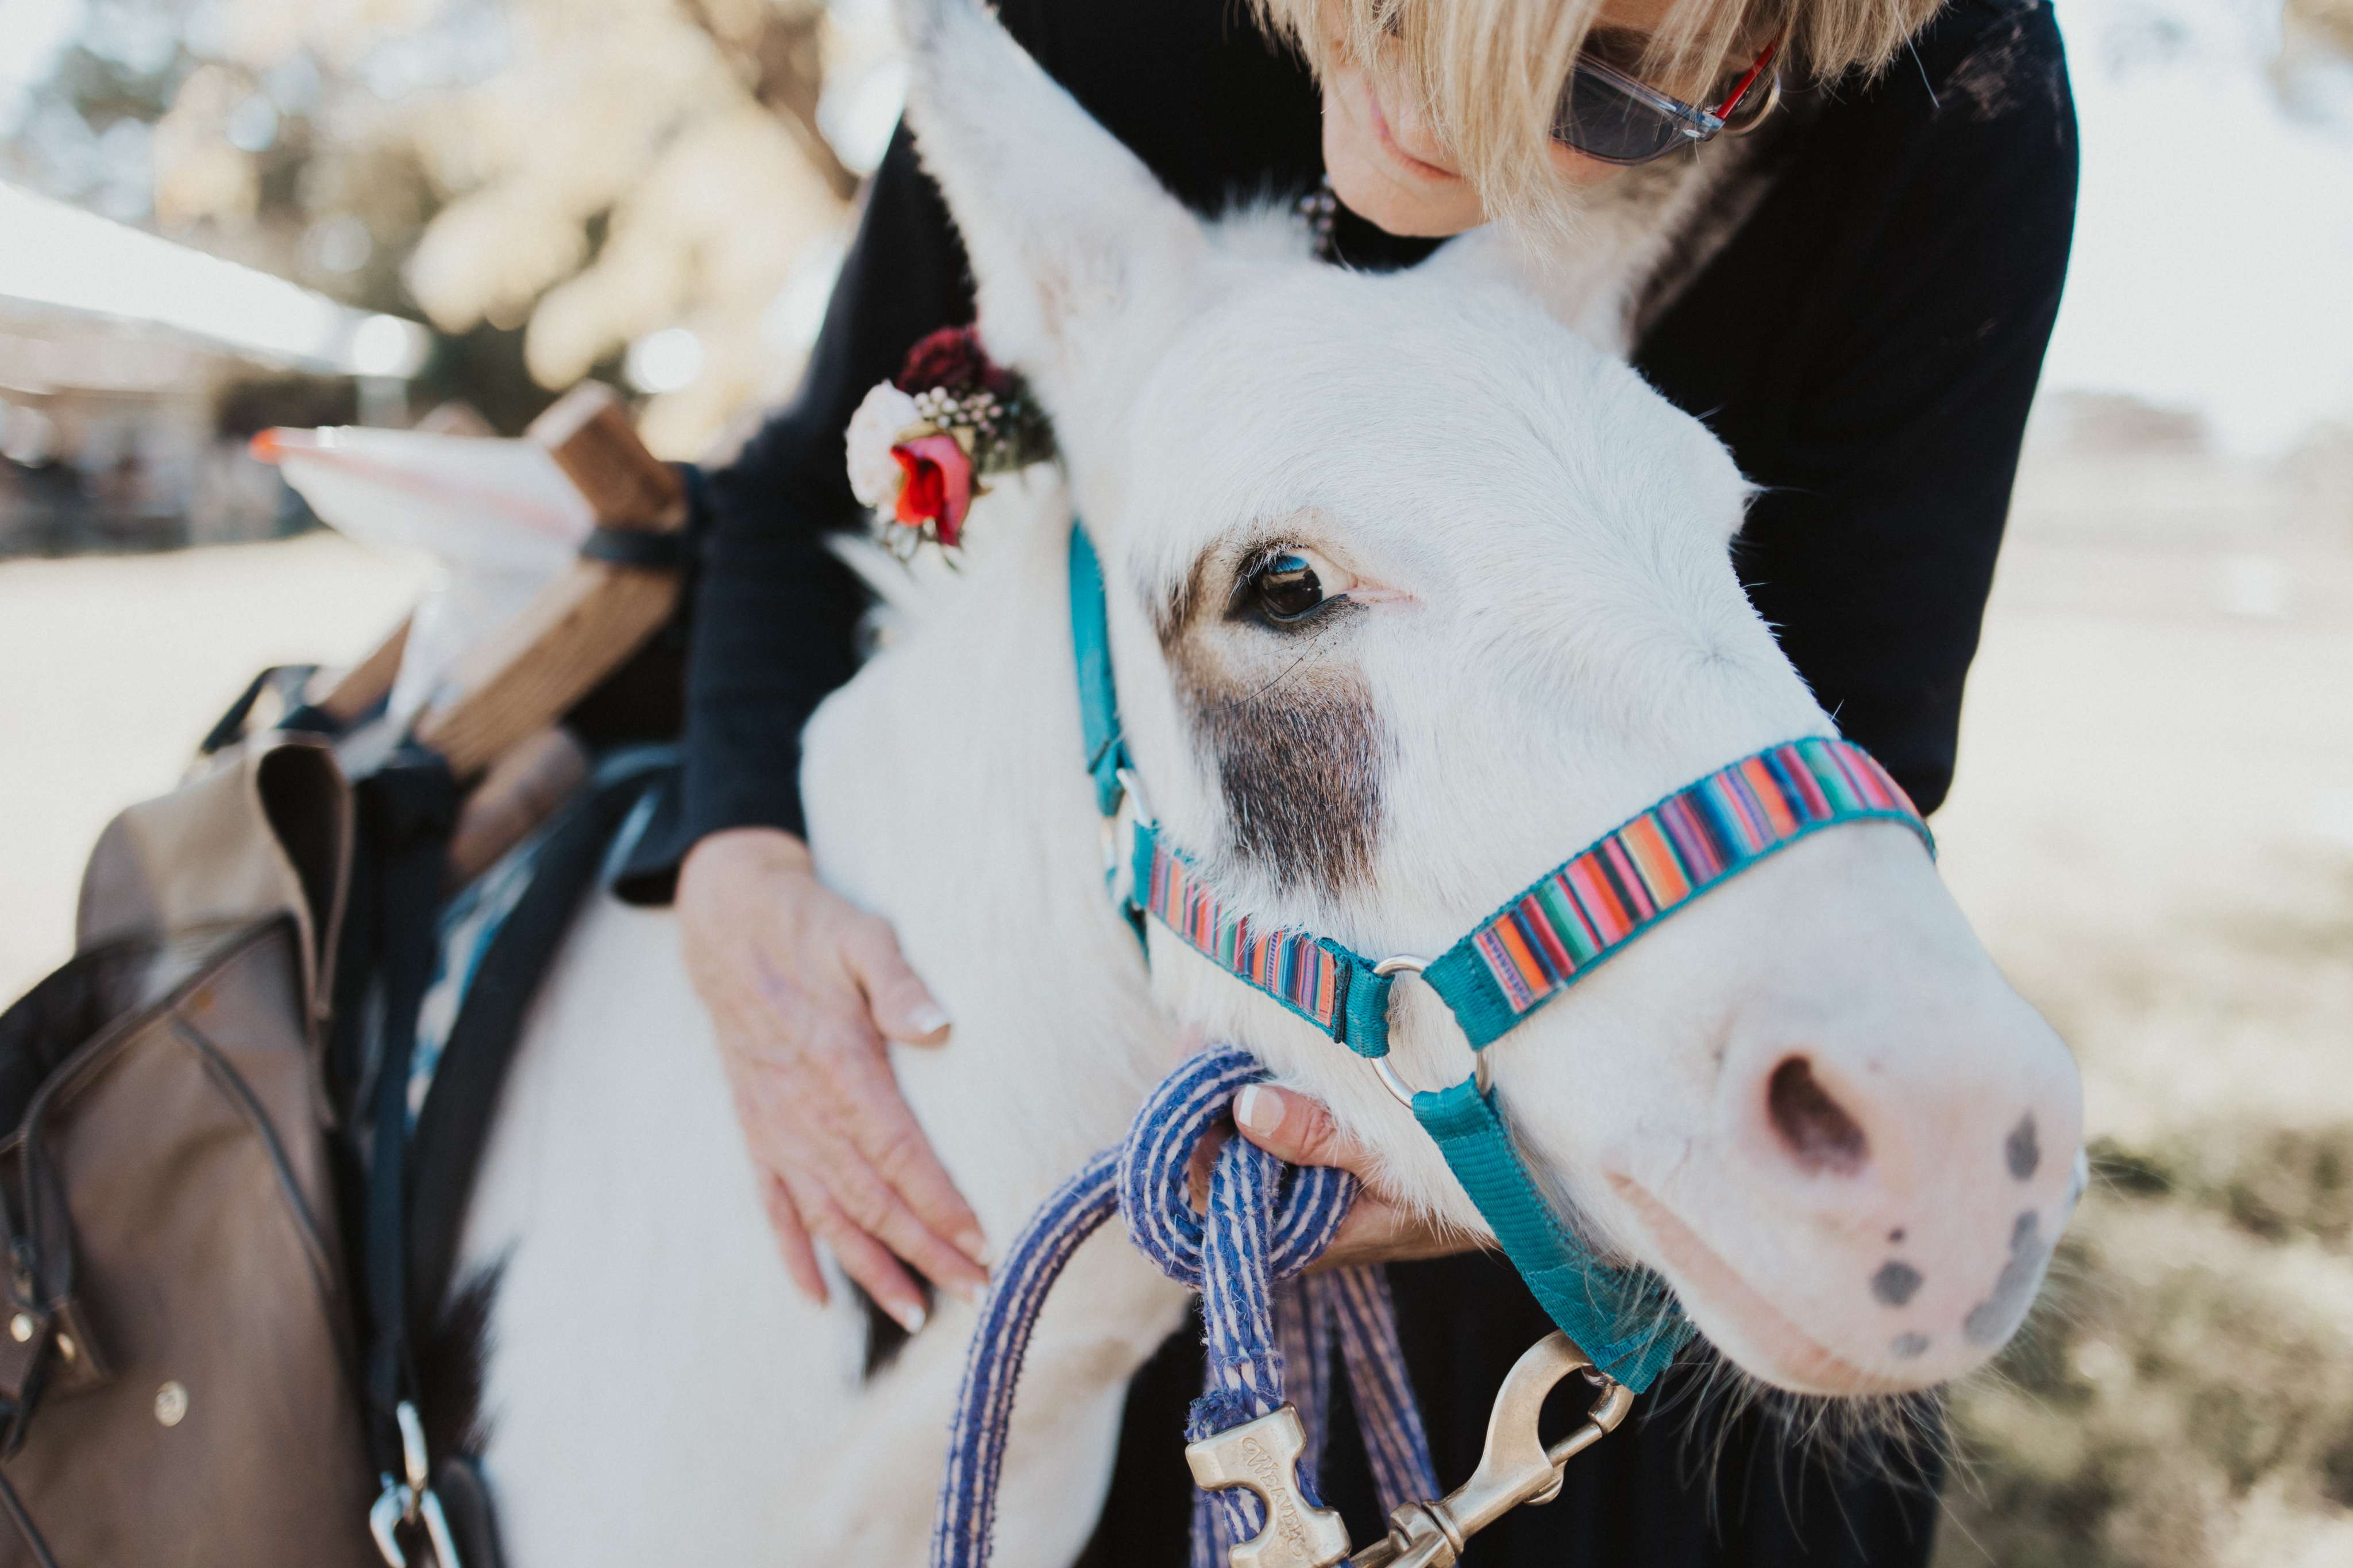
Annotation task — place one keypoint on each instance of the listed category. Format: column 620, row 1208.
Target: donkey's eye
column 1287, row 585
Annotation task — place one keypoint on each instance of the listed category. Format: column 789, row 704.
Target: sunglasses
column 1607, row 115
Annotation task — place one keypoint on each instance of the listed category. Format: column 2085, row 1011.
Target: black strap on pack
column 659, row 549
column 407, row 811
column 419, row 1182
column 286, row 681
column 453, row 1126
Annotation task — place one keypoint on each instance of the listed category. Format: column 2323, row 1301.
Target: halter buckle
column 1409, row 964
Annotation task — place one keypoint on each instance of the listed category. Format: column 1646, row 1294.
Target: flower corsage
column 920, row 443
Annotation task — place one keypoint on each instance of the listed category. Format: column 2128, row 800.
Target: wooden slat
column 363, row 685
column 587, row 432
column 586, row 623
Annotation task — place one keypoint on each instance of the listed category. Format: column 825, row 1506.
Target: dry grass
column 2154, row 830
column 2184, row 1396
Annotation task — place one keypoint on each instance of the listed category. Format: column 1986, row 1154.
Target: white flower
column 874, row 429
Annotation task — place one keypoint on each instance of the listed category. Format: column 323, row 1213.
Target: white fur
column 1557, row 640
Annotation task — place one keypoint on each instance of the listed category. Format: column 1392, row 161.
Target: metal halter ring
column 1406, row 964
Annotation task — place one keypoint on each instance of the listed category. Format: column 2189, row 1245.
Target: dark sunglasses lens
column 1600, row 119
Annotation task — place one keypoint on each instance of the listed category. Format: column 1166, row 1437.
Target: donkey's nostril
column 1813, row 1127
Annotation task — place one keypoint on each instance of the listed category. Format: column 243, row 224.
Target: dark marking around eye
column 1299, row 763
column 1896, row 1283
column 1296, row 744
column 2021, row 1149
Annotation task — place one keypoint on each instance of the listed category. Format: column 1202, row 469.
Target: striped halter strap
column 1543, row 939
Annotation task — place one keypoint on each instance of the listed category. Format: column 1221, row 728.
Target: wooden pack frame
column 498, row 723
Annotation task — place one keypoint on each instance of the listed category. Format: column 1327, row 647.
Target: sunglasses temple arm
column 1740, row 89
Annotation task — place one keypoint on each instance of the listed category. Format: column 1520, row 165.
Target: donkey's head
column 1414, row 594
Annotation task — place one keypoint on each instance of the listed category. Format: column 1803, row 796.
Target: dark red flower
column 951, row 358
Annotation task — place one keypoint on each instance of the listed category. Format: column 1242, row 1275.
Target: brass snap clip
column 1515, row 1467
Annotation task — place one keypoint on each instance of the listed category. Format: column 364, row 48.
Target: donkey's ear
column 1073, row 243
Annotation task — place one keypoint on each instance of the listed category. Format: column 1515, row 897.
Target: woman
column 1856, row 297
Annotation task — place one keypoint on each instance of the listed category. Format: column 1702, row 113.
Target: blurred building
column 133, row 370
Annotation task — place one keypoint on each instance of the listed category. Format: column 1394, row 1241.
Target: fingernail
column 911, row 1317
column 928, row 1019
column 1259, row 1111
column 974, row 1245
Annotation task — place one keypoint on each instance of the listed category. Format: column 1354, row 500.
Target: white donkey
column 1809, row 1102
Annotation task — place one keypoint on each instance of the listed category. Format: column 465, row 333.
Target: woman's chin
column 1378, row 184
column 1379, row 199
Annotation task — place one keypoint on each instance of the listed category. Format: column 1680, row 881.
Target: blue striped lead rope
column 1266, row 1223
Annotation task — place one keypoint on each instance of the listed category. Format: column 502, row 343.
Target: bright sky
column 55, row 255
column 2213, row 264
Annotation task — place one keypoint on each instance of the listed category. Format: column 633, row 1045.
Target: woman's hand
column 1294, row 1128
column 805, row 989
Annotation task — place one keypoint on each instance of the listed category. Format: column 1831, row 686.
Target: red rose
column 937, row 489
column 949, row 358
column 952, row 359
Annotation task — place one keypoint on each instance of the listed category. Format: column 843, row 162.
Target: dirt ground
column 2153, row 828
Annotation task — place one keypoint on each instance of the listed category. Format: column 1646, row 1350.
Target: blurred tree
column 560, row 186
column 2332, row 19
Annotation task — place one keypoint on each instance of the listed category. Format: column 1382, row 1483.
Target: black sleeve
column 1872, row 550
column 775, row 612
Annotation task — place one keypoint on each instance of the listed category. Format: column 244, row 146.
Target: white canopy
column 62, row 257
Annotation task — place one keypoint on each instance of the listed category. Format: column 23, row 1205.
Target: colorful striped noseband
column 1543, row 939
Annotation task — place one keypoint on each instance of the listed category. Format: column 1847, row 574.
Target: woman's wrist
column 770, row 849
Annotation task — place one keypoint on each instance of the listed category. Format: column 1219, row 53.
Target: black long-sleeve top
column 1866, row 342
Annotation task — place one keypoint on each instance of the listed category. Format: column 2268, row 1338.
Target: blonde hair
column 1489, row 72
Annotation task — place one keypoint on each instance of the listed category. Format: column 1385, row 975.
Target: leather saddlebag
column 177, row 1370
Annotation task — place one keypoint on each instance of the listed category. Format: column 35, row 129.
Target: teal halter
column 1543, row 940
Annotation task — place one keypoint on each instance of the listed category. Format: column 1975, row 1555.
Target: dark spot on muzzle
column 1993, row 1319
column 1896, row 1283
column 1908, row 1347
column 2021, row 1150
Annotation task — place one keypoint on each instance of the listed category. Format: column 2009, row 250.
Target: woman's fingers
column 903, row 1008
column 792, row 1239
column 1294, row 1128
column 1378, row 1231
column 1297, row 1129
column 864, row 1259
column 889, row 1180
column 803, row 988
